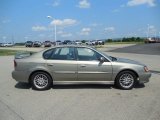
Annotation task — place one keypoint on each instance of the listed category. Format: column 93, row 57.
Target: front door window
column 86, row 54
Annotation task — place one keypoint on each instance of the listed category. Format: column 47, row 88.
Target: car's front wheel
column 41, row 81
column 126, row 80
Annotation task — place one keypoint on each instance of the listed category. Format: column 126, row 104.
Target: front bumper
column 20, row 76
column 144, row 78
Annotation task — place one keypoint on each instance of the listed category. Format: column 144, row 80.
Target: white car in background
column 92, row 42
column 100, row 42
column 78, row 42
column 58, row 42
column 7, row 45
column 88, row 43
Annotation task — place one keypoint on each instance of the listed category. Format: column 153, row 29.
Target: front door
column 90, row 68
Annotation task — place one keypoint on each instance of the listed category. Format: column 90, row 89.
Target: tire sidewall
column 49, row 81
column 117, row 83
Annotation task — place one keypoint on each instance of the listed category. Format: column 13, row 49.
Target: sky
column 22, row 20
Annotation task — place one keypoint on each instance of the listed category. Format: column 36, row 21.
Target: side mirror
column 101, row 59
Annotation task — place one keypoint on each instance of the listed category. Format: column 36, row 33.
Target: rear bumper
column 20, row 76
column 144, row 78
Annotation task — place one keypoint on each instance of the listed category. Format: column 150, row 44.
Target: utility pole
column 55, row 29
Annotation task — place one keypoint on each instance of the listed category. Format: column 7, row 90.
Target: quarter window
column 48, row 53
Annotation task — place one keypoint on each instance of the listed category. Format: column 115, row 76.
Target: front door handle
column 83, row 65
column 50, row 64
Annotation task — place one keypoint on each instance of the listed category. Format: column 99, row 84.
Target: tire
column 41, row 81
column 126, row 80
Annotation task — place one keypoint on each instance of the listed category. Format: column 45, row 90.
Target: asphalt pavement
column 150, row 49
column 81, row 102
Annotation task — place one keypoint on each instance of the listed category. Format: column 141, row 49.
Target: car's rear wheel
column 41, row 81
column 126, row 80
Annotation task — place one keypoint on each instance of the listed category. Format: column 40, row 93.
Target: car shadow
column 21, row 85
column 83, row 86
column 137, row 86
column 155, row 72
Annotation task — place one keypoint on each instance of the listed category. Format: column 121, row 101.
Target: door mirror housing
column 101, row 59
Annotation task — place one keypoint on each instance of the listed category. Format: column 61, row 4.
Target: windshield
column 29, row 42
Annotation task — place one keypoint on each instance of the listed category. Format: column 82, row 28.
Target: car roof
column 66, row 46
column 72, row 46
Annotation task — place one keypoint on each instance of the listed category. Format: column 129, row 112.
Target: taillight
column 15, row 64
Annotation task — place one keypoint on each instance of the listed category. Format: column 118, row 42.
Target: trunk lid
column 25, row 54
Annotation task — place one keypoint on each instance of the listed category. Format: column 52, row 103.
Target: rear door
column 63, row 64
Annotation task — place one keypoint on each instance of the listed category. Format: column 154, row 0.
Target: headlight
column 146, row 69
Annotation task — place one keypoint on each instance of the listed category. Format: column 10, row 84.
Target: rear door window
column 63, row 53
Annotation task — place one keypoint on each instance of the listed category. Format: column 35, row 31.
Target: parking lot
column 82, row 102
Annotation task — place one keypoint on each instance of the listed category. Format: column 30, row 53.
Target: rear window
column 61, row 53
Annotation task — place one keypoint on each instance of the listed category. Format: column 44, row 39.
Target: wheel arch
column 126, row 70
column 29, row 79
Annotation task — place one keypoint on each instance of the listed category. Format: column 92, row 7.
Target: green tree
column 132, row 39
column 83, row 41
column 109, row 40
column 124, row 39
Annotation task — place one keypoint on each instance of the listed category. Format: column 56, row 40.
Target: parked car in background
column 47, row 44
column 65, row 42
column 94, row 42
column 71, row 43
column 150, row 40
column 77, row 64
column 37, row 44
column 89, row 43
column 58, row 42
column 29, row 44
column 6, row 45
column 78, row 42
column 100, row 42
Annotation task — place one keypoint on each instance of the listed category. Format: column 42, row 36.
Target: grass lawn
column 8, row 52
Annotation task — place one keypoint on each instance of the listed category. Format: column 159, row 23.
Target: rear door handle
column 49, row 64
column 83, row 65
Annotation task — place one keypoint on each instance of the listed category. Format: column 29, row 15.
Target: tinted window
column 48, row 53
column 87, row 54
column 29, row 42
column 66, row 53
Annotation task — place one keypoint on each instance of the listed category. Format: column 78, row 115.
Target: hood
column 122, row 60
